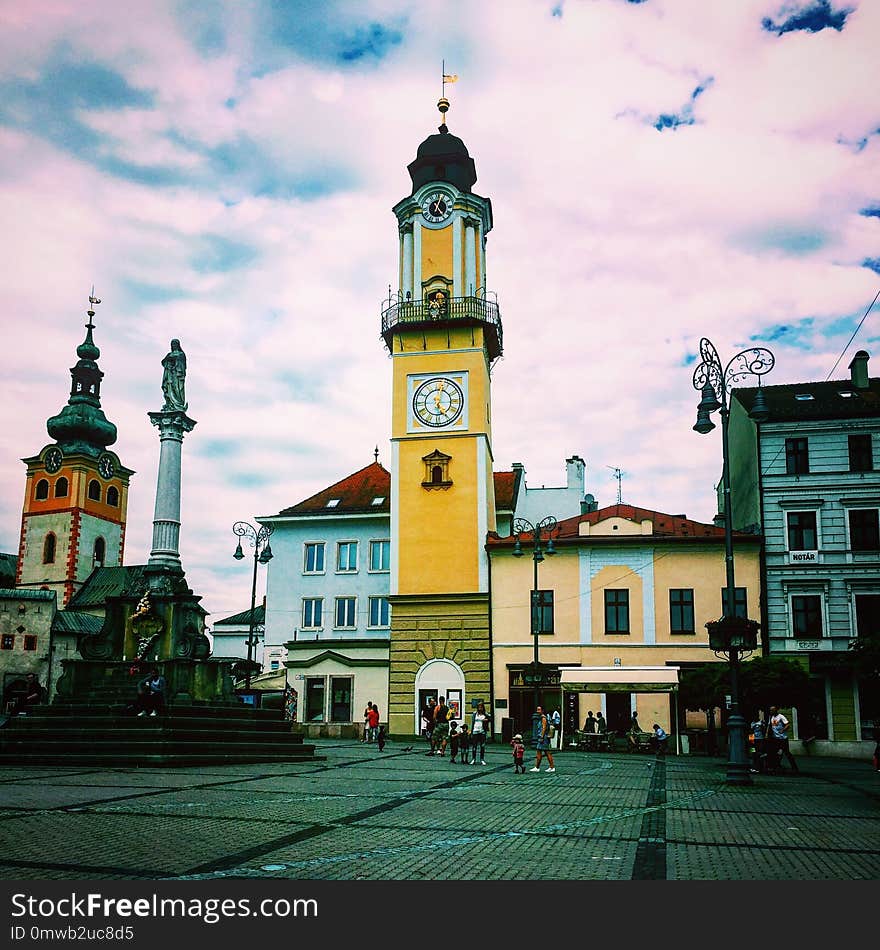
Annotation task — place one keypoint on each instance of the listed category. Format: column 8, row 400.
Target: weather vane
column 93, row 302
column 447, row 78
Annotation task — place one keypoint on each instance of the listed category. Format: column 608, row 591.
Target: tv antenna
column 619, row 476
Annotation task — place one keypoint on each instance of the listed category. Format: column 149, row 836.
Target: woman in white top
column 479, row 733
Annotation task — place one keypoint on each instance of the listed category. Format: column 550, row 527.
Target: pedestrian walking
column 633, row 733
column 519, row 753
column 453, row 740
column 463, row 743
column 780, row 748
column 380, row 738
column 542, row 741
column 366, row 736
column 441, row 727
column 480, row 725
column 373, row 722
column 661, row 739
column 428, row 723
column 759, row 753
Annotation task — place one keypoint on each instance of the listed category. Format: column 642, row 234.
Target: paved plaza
column 361, row 814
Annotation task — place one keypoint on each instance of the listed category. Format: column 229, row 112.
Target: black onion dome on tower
column 81, row 426
column 443, row 157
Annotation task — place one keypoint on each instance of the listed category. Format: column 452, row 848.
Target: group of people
column 466, row 741
column 150, row 700
column 374, row 731
column 770, row 743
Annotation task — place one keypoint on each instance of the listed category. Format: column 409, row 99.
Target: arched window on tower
column 113, row 496
column 42, row 490
column 436, row 474
column 49, row 549
column 61, row 487
column 99, row 552
column 95, row 490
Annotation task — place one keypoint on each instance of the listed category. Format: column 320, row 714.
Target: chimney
column 858, row 370
column 574, row 473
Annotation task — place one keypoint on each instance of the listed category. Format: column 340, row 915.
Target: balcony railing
column 400, row 315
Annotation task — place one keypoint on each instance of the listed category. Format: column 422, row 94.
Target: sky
column 223, row 172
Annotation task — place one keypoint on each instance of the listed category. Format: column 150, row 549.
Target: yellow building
column 443, row 331
column 631, row 588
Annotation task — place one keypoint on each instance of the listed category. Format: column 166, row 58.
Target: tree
column 767, row 681
column 702, row 687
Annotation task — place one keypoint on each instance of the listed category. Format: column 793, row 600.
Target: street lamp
column 543, row 529
column 730, row 635
column 258, row 538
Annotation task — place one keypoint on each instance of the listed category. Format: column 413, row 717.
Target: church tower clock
column 76, row 493
column 443, row 331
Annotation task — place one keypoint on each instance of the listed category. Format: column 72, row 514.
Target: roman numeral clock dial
column 438, row 402
column 437, row 207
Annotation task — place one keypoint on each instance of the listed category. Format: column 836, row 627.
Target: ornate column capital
column 172, row 424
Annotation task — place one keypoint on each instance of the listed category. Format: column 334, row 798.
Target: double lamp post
column 541, row 601
column 258, row 538
column 732, row 635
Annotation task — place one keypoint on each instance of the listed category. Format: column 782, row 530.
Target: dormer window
column 332, row 503
column 378, row 499
column 803, row 397
column 846, row 394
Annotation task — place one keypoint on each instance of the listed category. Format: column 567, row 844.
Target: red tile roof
column 505, row 490
column 665, row 526
column 355, row 494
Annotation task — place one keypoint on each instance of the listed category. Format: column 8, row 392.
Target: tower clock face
column 436, row 207
column 53, row 460
column 438, row 402
column 105, row 466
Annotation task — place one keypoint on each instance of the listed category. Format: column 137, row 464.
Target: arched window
column 61, row 487
column 42, row 491
column 113, row 496
column 100, row 549
column 95, row 490
column 436, row 475
column 49, row 549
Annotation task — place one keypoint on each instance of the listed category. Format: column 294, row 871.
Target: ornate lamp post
column 258, row 538
column 731, row 635
column 539, row 532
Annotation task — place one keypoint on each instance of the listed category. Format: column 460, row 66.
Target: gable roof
column 76, row 621
column 8, row 565
column 106, row 582
column 353, row 495
column 665, row 527
column 827, row 403
column 244, row 617
column 506, row 489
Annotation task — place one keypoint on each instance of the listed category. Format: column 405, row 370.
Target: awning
column 619, row 679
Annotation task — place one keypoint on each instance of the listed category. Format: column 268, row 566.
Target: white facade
column 534, row 504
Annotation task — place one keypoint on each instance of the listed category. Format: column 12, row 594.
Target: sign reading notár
column 803, row 557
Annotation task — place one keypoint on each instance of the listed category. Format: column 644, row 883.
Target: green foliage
column 864, row 652
column 703, row 686
column 769, row 681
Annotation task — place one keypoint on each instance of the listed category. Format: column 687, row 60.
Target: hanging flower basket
column 733, row 633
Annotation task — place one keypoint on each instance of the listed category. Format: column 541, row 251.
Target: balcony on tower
column 439, row 311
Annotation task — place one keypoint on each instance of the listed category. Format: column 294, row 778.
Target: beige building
column 631, row 589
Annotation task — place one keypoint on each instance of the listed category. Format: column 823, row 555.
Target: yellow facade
column 579, row 574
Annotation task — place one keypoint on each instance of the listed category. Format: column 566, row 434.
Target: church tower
column 443, row 330
column 76, row 493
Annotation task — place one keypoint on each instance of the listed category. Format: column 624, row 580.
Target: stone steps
column 75, row 734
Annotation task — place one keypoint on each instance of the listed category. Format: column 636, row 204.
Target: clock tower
column 76, row 493
column 443, row 331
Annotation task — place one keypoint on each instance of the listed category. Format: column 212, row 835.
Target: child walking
column 454, row 739
column 380, row 738
column 519, row 753
column 464, row 741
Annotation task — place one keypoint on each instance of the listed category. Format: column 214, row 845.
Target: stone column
column 407, row 276
column 165, row 555
column 470, row 256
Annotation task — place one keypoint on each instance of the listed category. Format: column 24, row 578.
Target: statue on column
column 173, row 379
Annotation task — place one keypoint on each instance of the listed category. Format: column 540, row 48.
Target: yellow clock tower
column 443, row 330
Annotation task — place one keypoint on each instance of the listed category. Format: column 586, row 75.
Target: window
column 61, row 487
column 30, row 642
column 863, row 530
column 314, row 699
column 99, row 551
column 333, row 503
column 861, row 455
column 113, row 496
column 380, row 612
column 7, row 641
column 867, row 614
column 617, row 611
column 346, row 616
column 802, row 535
column 806, row 616
column 740, row 602
column 49, row 549
column 681, row 610
column 274, row 664
column 42, row 490
column 95, row 490
column 313, row 612
column 346, row 557
column 313, row 560
column 340, row 699
column 380, row 555
column 797, row 457
column 542, row 611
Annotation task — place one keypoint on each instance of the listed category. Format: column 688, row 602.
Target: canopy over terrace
column 624, row 679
